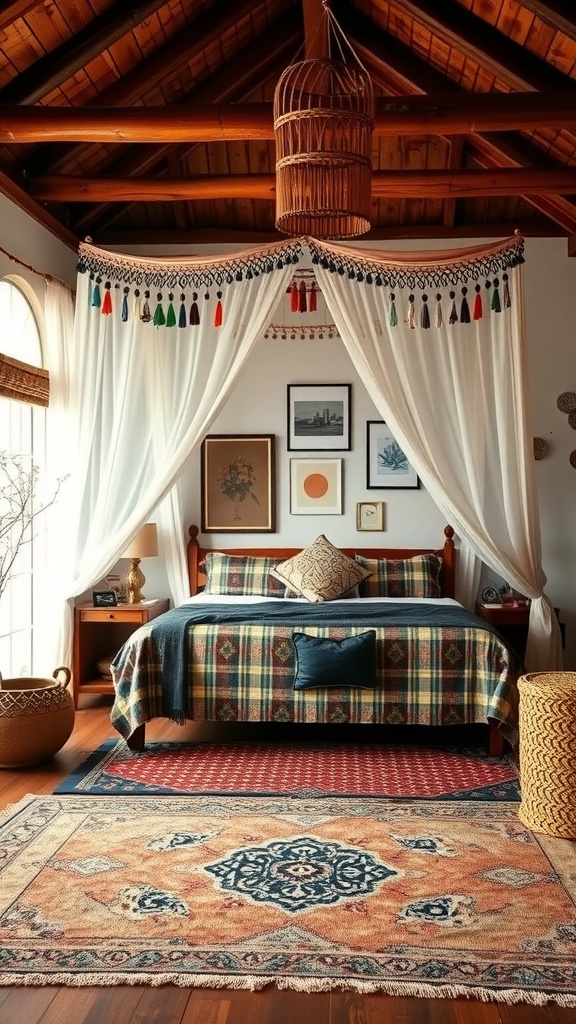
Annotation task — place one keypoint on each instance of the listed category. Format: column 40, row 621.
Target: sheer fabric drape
column 141, row 399
column 456, row 398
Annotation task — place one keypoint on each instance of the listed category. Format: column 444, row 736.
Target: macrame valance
column 458, row 286
column 23, row 383
column 175, row 292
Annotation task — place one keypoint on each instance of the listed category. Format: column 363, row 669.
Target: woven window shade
column 24, row 383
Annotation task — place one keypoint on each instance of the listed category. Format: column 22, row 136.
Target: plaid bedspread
column 433, row 674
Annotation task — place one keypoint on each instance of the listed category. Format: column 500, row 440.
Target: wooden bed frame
column 447, row 553
column 197, row 579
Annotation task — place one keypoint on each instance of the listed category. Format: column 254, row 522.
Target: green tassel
column 159, row 318
column 170, row 315
column 96, row 298
column 393, row 313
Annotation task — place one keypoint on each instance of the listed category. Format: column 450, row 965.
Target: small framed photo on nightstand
column 104, row 598
column 369, row 515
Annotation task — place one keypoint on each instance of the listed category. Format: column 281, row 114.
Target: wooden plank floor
column 125, row 1004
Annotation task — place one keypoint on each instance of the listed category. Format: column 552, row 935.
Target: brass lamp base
column 135, row 580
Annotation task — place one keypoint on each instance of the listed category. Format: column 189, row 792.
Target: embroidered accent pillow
column 321, row 572
column 321, row 661
column 418, row 576
column 237, row 575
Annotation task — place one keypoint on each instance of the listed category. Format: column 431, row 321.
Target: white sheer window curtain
column 142, row 393
column 455, row 396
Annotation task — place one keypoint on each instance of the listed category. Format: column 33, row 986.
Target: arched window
column 23, row 397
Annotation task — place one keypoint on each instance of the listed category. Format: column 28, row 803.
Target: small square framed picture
column 319, row 417
column 369, row 515
column 315, row 487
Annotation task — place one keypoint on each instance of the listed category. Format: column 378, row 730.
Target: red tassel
column 302, row 298
column 312, row 298
column 478, row 304
column 218, row 312
column 294, row 297
column 107, row 303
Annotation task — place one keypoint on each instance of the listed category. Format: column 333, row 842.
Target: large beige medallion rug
column 406, row 897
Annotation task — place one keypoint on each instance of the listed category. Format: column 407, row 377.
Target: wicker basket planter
column 36, row 718
column 547, row 717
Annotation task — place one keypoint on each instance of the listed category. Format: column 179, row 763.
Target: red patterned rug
column 298, row 768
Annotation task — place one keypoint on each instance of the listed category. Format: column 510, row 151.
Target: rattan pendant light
column 323, row 123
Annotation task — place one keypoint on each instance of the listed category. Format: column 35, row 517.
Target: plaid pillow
column 237, row 575
column 402, row 577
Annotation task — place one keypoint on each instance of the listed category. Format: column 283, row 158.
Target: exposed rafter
column 450, row 114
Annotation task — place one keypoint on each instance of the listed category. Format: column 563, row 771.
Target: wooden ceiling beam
column 398, row 64
column 450, row 114
column 557, row 14
column 10, row 12
column 436, row 184
column 55, row 67
column 484, row 44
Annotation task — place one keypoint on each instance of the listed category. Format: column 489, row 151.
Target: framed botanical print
column 386, row 463
column 238, row 483
column 315, row 487
column 319, row 417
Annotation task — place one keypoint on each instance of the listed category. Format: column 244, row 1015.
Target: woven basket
column 36, row 718
column 548, row 752
column 323, row 124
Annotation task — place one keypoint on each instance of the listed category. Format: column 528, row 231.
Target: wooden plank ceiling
column 146, row 121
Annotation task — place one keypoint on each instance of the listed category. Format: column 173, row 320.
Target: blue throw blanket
column 169, row 632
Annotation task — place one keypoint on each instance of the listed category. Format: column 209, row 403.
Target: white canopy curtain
column 151, row 369
column 438, row 339
column 142, row 394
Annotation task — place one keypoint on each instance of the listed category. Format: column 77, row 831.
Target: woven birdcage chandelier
column 323, row 123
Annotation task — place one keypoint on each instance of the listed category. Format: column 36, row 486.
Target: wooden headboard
column 447, row 553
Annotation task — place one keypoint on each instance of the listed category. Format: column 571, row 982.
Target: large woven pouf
column 547, row 752
column 36, row 718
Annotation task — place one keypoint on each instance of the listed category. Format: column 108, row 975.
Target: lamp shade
column 144, row 544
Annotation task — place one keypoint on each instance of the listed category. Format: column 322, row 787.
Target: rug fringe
column 309, row 985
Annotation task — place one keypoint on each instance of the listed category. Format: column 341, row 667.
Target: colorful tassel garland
column 495, row 304
column 453, row 318
column 218, row 311
column 107, row 304
column 194, row 314
column 170, row 314
column 124, row 312
column 464, row 308
column 393, row 315
column 410, row 317
column 312, row 294
column 96, row 298
column 507, row 300
column 478, row 303
column 439, row 312
column 159, row 318
column 294, row 297
column 302, row 306
column 182, row 312
column 425, row 313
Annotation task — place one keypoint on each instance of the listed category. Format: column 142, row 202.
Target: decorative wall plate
column 566, row 402
column 490, row 595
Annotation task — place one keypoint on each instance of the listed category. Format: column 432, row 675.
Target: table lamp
column 144, row 545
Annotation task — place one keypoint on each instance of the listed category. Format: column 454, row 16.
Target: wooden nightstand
column 511, row 620
column 100, row 632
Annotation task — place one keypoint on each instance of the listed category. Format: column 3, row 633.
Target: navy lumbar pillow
column 321, row 661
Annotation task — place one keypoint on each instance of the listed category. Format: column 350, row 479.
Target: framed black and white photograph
column 319, row 417
column 387, row 465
